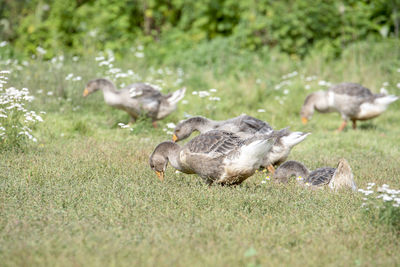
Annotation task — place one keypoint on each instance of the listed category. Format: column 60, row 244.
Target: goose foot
column 154, row 124
column 271, row 169
column 342, row 126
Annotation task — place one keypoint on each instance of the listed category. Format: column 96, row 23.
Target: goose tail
column 343, row 177
column 386, row 100
column 294, row 138
column 176, row 96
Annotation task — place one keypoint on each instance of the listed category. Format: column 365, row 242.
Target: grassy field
column 84, row 195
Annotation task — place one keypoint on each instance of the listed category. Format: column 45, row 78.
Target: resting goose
column 137, row 99
column 351, row 100
column 216, row 156
column 335, row 178
column 245, row 126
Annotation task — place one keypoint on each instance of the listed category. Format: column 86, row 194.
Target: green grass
column 84, row 195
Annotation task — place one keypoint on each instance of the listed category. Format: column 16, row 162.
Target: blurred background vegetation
column 168, row 27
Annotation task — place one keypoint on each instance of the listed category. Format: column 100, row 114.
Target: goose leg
column 271, row 169
column 354, row 124
column 342, row 126
column 132, row 121
column 154, row 124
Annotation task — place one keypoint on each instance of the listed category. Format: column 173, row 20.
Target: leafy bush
column 15, row 119
column 292, row 26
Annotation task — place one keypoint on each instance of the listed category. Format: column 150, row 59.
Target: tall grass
column 85, row 195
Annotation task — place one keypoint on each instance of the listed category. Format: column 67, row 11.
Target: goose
column 137, row 99
column 353, row 102
column 218, row 157
column 245, row 126
column 334, row 178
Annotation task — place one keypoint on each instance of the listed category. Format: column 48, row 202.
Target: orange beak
column 160, row 175
column 304, row 120
column 85, row 92
column 174, row 138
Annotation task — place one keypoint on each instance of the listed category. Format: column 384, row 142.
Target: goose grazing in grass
column 335, row 178
column 351, row 100
column 216, row 156
column 137, row 99
column 245, row 126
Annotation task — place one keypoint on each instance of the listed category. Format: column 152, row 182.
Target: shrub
column 16, row 120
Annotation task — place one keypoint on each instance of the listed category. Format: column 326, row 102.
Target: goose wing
column 321, row 176
column 254, row 125
column 143, row 90
column 351, row 89
column 214, row 144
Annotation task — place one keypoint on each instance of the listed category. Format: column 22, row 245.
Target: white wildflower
column 123, row 126
column 41, row 50
column 322, row 83
column 214, row 98
column 115, row 70
column 310, row 78
column 290, row 75
column 385, row 197
column 121, row 75
column 3, row 44
column 93, row 33
column 203, row 94
column 139, row 54
column 104, row 63
column 213, row 90
column 260, row 110
column 171, row 125
column 50, row 93
column 69, row 76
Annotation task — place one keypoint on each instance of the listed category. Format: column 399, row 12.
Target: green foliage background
column 291, row 26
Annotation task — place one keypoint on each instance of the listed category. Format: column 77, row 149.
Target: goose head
column 97, row 84
column 160, row 157
column 185, row 128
